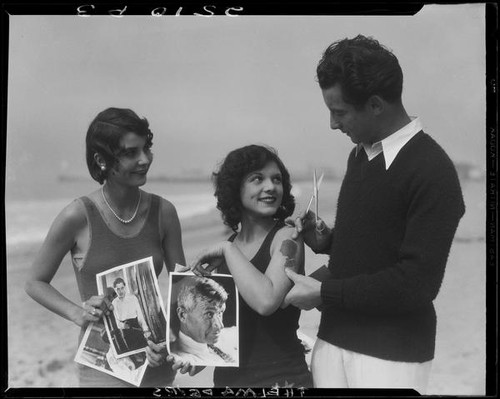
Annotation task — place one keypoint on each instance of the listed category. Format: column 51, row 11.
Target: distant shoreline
column 183, row 179
column 465, row 171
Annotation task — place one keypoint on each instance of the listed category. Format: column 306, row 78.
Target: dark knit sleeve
column 435, row 206
column 327, row 248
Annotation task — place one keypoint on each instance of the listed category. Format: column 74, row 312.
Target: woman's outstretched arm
column 263, row 292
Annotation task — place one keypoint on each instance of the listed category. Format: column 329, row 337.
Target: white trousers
column 334, row 367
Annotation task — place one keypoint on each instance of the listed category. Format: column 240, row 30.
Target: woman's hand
column 209, row 259
column 183, row 366
column 93, row 309
column 156, row 353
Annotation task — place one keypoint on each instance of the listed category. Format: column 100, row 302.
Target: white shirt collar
column 391, row 145
column 189, row 345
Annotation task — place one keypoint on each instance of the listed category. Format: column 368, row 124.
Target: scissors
column 314, row 196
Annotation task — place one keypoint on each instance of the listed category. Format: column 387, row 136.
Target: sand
column 42, row 345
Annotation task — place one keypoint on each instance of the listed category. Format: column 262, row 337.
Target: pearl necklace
column 114, row 213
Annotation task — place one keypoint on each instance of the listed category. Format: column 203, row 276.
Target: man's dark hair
column 363, row 68
column 118, row 281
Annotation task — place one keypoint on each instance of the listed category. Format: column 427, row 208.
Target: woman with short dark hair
column 116, row 224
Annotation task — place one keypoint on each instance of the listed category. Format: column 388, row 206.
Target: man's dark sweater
column 392, row 236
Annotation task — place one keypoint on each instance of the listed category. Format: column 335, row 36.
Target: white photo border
column 149, row 264
column 236, row 305
column 79, row 358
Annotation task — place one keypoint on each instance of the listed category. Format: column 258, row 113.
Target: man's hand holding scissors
column 306, row 291
column 315, row 232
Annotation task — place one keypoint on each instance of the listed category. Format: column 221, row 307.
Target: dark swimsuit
column 270, row 352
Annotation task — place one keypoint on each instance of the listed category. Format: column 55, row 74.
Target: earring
column 103, row 168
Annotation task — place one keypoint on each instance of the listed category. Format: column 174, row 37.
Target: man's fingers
column 321, row 227
column 299, row 224
column 301, row 221
column 295, row 277
column 286, row 301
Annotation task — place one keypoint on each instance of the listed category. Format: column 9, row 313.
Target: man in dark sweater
column 398, row 209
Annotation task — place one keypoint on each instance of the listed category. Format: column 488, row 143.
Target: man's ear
column 181, row 314
column 376, row 104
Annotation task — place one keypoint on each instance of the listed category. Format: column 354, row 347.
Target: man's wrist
column 332, row 292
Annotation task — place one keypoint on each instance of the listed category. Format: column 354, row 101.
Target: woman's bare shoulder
column 283, row 240
column 73, row 214
column 286, row 233
column 167, row 207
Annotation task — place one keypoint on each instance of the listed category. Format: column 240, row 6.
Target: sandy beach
column 42, row 345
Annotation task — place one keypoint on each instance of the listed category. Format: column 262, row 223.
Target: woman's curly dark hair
column 229, row 178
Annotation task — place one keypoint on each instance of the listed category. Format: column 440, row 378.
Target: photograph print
column 138, row 313
column 96, row 352
column 203, row 319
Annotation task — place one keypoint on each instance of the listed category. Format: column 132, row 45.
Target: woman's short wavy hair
column 229, row 178
column 104, row 134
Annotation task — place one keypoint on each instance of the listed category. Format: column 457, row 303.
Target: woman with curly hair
column 253, row 193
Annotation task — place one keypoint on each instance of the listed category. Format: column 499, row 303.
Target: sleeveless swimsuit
column 270, row 352
column 107, row 250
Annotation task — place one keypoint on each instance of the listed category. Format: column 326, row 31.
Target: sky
column 210, row 85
